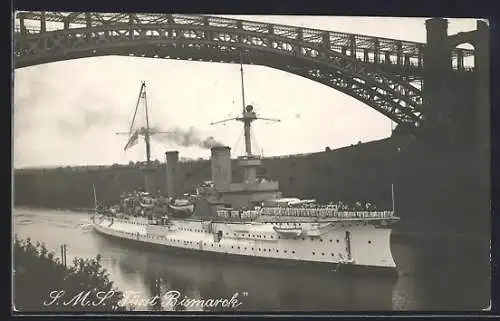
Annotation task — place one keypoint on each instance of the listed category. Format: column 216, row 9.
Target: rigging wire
column 238, row 141
column 252, row 135
column 136, row 108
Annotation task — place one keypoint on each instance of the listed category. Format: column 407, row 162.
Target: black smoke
column 185, row 137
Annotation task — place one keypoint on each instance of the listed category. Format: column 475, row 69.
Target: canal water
column 435, row 274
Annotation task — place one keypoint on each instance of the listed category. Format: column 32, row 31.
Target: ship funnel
column 172, row 164
column 221, row 167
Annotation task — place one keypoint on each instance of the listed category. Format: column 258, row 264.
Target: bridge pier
column 376, row 50
column 21, row 24
column 437, row 70
column 366, row 55
column 420, row 56
column 444, row 184
column 352, row 46
column 43, row 22
column 399, row 55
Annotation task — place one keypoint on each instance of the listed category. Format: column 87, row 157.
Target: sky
column 67, row 113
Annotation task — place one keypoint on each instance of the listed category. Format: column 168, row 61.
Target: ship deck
column 290, row 219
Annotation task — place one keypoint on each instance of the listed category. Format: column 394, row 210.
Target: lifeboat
column 181, row 208
column 288, row 231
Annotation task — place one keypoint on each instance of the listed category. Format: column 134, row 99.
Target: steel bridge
column 385, row 74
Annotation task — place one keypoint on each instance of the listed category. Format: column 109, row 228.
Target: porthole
column 285, row 251
column 369, row 242
column 259, row 249
column 331, row 240
column 293, row 252
column 337, row 241
column 277, row 251
column 323, row 254
column 238, row 247
column 314, row 253
column 321, row 240
column 332, row 254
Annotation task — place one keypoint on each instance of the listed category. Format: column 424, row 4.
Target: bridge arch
column 389, row 94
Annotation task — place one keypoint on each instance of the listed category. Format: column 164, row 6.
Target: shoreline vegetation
column 44, row 282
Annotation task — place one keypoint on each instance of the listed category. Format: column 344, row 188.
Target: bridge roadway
column 386, row 74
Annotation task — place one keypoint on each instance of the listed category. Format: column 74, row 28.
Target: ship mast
column 147, row 133
column 242, row 85
column 248, row 115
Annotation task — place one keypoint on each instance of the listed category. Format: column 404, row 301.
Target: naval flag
column 133, row 140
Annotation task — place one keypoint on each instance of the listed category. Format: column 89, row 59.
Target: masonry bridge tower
column 445, row 179
column 458, row 101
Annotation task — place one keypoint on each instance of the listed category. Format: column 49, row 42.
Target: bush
column 43, row 283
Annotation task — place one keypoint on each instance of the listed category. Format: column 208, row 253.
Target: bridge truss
column 382, row 73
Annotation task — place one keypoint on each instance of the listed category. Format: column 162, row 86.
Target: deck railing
column 304, row 212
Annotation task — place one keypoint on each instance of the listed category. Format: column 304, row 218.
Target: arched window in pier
column 463, row 60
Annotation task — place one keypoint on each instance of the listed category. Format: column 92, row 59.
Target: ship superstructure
column 252, row 190
column 250, row 219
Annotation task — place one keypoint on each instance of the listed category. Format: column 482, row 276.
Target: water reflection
column 436, row 274
column 258, row 286
column 441, row 274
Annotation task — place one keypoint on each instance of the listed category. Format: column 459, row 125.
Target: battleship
column 249, row 219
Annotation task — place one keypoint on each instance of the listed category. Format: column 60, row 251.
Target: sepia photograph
column 187, row 163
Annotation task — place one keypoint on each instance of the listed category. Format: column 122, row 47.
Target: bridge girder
column 389, row 93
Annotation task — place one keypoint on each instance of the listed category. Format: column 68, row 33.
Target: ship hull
column 185, row 248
